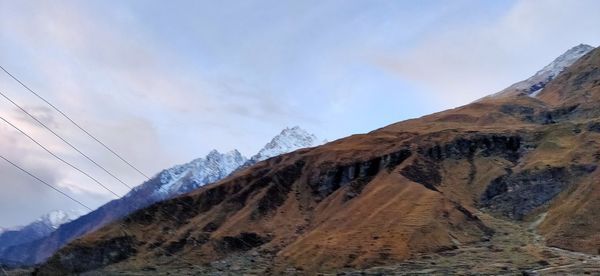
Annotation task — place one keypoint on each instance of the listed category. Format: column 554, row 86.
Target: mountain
column 40, row 228
column 167, row 184
column 505, row 185
column 188, row 177
column 534, row 85
column 288, row 140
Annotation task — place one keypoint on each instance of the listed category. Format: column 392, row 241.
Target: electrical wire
column 75, row 123
column 44, row 182
column 64, row 140
column 58, row 157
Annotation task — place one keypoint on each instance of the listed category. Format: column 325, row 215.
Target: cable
column 3, row 271
column 74, row 123
column 123, row 228
column 44, row 182
column 64, row 140
column 59, row 158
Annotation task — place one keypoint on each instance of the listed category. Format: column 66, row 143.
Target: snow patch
column 535, row 93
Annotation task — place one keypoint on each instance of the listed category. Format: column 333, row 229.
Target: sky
column 163, row 83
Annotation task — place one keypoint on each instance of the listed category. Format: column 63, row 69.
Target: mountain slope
column 444, row 184
column 167, row 184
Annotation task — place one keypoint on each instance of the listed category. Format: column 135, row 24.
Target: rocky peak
column 201, row 171
column 216, row 156
column 288, row 140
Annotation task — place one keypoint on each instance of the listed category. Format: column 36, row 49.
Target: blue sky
column 166, row 82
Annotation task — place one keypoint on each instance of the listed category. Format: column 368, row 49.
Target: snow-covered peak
column 201, row 171
column 56, row 218
column 563, row 61
column 550, row 71
column 290, row 139
column 51, row 220
column 535, row 84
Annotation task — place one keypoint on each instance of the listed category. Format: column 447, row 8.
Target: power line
column 58, row 157
column 44, row 182
column 89, row 176
column 119, row 223
column 4, row 271
column 63, row 139
column 74, row 123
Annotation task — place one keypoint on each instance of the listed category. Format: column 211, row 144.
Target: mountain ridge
column 166, row 184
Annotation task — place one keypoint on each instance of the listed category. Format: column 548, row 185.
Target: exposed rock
column 242, row 242
column 87, row 258
column 593, row 126
column 329, row 180
column 516, row 195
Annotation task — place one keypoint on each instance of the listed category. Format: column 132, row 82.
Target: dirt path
column 577, row 262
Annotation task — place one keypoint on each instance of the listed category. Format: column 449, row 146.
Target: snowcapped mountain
column 215, row 166
column 290, row 139
column 187, row 177
column 167, row 184
column 40, row 228
column 56, row 218
column 534, row 85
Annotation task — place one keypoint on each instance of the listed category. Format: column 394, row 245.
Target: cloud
column 106, row 72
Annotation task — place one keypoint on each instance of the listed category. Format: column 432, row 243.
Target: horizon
column 164, row 90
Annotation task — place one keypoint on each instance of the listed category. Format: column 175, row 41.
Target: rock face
column 169, row 183
column 410, row 189
column 516, row 196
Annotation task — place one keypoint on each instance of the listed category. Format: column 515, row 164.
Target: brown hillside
column 412, row 188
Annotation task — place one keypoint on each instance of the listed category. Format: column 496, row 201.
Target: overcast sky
column 164, row 82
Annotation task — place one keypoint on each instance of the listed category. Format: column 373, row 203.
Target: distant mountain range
column 38, row 229
column 38, row 241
